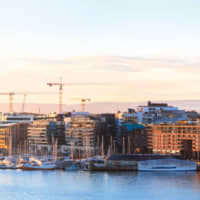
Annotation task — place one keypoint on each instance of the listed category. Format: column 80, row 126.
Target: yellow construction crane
column 83, row 100
column 61, row 84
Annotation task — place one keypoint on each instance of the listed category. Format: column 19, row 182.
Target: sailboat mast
column 102, row 147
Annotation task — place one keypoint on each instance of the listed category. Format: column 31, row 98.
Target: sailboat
column 96, row 162
column 8, row 161
column 36, row 164
column 71, row 164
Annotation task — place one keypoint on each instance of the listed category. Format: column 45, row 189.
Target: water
column 61, row 185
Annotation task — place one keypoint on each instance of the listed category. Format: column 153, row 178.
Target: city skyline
column 99, row 99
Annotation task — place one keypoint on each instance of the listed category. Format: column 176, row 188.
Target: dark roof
column 150, row 104
column 138, row 157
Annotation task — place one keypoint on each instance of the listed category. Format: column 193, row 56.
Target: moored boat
column 35, row 164
column 72, row 166
column 7, row 163
column 171, row 164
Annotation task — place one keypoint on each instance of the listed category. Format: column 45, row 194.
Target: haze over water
column 60, row 185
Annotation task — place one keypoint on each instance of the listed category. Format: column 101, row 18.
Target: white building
column 152, row 113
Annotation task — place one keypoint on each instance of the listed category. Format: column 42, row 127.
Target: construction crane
column 60, row 84
column 24, row 102
column 11, row 94
column 83, row 100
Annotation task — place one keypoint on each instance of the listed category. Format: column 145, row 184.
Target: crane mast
column 11, row 94
column 83, row 100
column 11, row 101
column 60, row 84
column 61, row 98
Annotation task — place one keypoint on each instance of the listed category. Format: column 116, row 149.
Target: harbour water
column 82, row 185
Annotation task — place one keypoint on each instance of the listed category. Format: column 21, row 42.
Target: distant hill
column 97, row 107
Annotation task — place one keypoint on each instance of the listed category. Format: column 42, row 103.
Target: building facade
column 13, row 137
column 155, row 113
column 80, row 135
column 38, row 136
column 152, row 113
column 133, row 138
column 44, row 135
column 177, row 138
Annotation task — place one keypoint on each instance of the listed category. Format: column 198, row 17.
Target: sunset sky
column 135, row 50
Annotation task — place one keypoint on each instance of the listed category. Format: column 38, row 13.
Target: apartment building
column 80, row 135
column 44, row 134
column 182, row 137
column 152, row 113
column 13, row 137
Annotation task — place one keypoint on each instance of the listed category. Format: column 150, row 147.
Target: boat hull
column 166, row 165
column 38, row 168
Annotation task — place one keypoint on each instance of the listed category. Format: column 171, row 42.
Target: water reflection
column 59, row 185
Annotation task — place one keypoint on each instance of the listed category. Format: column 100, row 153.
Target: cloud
column 44, row 61
column 103, row 63
column 120, row 68
column 114, row 68
column 112, row 78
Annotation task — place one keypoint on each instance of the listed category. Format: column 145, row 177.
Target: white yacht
column 169, row 164
column 35, row 164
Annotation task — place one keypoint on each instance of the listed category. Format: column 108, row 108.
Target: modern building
column 80, row 135
column 38, row 136
column 152, row 113
column 155, row 113
column 43, row 135
column 13, row 137
column 133, row 138
column 126, row 117
column 182, row 137
column 106, row 134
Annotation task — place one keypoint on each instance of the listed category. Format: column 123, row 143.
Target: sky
column 133, row 50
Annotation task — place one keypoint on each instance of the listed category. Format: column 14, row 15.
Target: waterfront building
column 106, row 134
column 155, row 113
column 13, row 137
column 56, row 131
column 126, row 117
column 133, row 138
column 149, row 136
column 152, row 113
column 182, row 137
column 38, row 137
column 43, row 135
column 80, row 135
